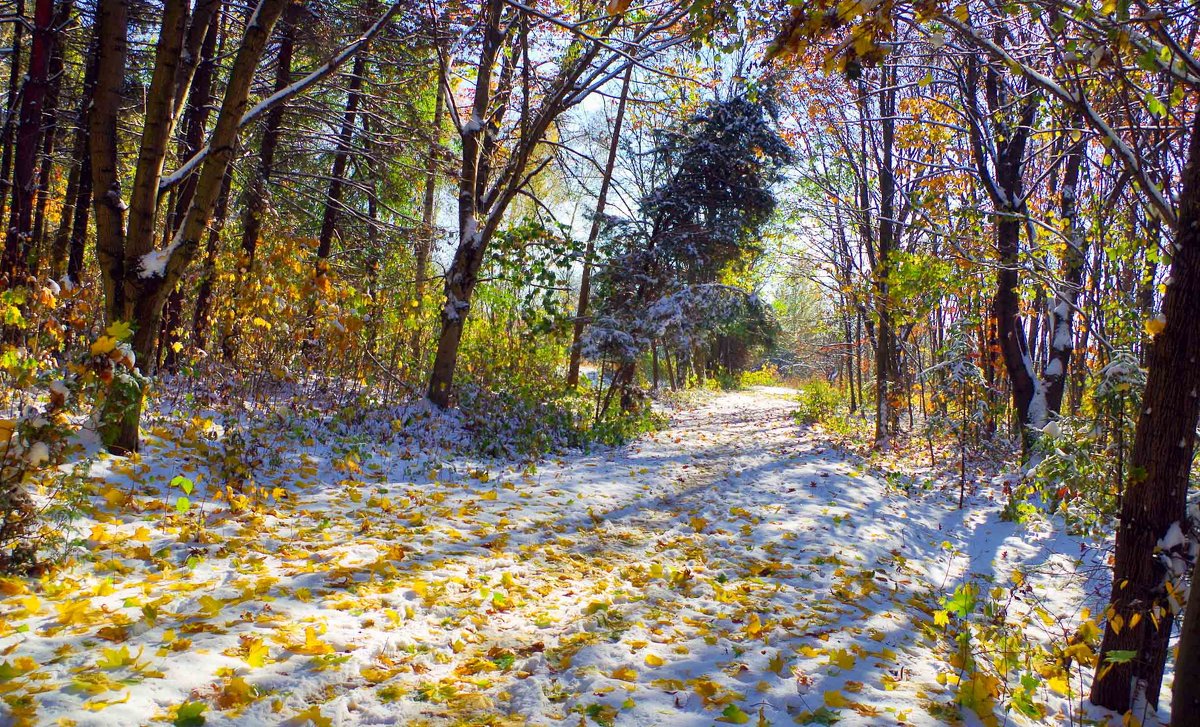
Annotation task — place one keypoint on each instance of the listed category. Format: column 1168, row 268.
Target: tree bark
column 461, row 276
column 425, row 240
column 137, row 283
column 1005, row 187
column 341, row 155
column 195, row 124
column 1164, row 444
column 37, row 246
column 14, row 85
column 156, row 133
column 887, row 360
column 1062, row 317
column 111, row 30
column 585, row 281
column 1185, row 702
column 72, row 227
column 18, row 237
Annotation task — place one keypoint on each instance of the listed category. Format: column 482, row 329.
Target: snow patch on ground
column 730, row 561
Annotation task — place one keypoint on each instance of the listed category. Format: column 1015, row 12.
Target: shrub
column 768, row 375
column 818, row 401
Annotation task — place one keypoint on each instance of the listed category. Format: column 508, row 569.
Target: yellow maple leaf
column 210, row 606
column 754, row 626
column 103, row 345
column 120, row 330
column 313, row 714
column 96, row 705
column 312, row 645
column 1059, row 684
column 237, row 692
column 74, row 613
column 625, row 674
column 834, row 698
column 114, row 496
column 1155, row 325
column 842, row 658
column 256, row 653
column 654, row 660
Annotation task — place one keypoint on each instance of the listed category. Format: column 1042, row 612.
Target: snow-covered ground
column 730, row 568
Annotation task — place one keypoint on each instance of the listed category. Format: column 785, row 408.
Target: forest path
column 728, row 567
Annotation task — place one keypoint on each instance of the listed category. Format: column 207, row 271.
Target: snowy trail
column 728, row 568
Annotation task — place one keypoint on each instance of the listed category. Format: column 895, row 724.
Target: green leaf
column 182, row 505
column 183, row 483
column 1120, row 656
column 190, row 714
column 8, row 671
column 733, row 715
column 962, row 603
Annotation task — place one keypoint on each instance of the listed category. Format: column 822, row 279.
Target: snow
column 1173, row 539
column 731, row 559
column 154, row 263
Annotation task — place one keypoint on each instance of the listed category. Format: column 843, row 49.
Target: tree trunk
column 1006, row 311
column 72, row 227
column 152, row 152
column 1062, row 318
column 1164, row 444
column 255, row 200
column 887, row 366
column 341, row 155
column 137, row 278
column 1185, row 703
column 18, row 237
column 37, row 246
column 10, row 106
column 585, row 281
column 195, row 124
column 468, row 255
column 425, row 239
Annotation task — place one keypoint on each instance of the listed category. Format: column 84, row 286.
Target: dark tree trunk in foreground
column 137, row 276
column 1162, row 458
column 887, row 346
column 1185, row 704
column 37, row 241
column 18, row 237
column 6, row 134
